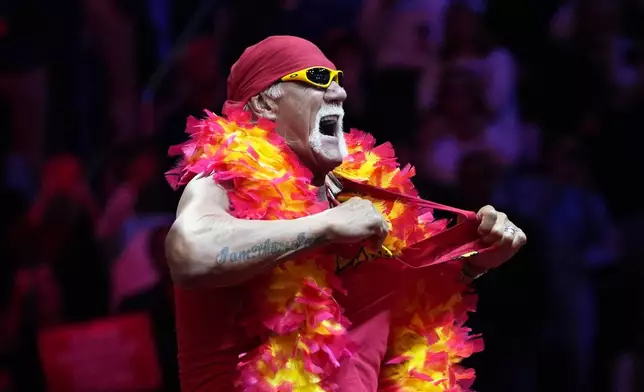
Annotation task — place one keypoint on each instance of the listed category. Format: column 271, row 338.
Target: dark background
column 534, row 106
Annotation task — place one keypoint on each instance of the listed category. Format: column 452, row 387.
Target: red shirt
column 209, row 341
column 210, row 338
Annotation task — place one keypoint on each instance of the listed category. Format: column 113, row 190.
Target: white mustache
column 330, row 110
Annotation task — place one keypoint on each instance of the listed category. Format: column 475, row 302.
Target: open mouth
column 328, row 125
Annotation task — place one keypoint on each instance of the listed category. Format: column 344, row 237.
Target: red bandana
column 266, row 62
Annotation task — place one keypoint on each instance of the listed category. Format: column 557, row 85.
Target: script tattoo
column 267, row 249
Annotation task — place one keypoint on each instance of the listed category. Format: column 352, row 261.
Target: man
column 307, row 113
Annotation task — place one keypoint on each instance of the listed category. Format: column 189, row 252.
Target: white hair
column 274, row 91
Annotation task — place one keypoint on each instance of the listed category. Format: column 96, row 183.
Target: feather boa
column 305, row 328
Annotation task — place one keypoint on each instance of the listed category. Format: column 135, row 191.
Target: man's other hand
column 496, row 229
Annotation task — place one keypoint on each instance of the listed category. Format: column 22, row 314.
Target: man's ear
column 263, row 106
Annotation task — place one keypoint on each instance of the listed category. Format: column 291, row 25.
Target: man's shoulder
column 204, row 192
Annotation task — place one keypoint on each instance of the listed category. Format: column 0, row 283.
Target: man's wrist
column 321, row 227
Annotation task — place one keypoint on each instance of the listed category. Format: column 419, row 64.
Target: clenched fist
column 495, row 229
column 356, row 220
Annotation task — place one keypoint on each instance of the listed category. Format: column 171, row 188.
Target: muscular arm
column 206, row 246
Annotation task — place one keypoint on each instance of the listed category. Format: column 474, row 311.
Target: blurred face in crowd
column 199, row 71
column 310, row 120
column 478, row 176
column 566, row 161
column 199, row 62
column 459, row 94
column 350, row 61
column 596, row 19
column 143, row 168
column 460, row 25
column 63, row 177
column 63, row 221
column 62, row 174
column 457, row 102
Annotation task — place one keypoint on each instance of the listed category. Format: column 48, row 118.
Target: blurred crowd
column 532, row 106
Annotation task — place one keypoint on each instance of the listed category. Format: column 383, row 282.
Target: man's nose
column 335, row 94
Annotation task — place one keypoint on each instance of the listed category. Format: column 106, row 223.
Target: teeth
column 329, row 119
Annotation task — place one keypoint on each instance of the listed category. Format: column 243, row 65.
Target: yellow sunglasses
column 321, row 77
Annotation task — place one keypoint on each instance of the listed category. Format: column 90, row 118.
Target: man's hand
column 495, row 229
column 356, row 220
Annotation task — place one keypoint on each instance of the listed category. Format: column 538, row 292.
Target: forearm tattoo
column 266, row 249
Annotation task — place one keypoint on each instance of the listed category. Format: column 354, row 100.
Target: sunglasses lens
column 318, row 75
column 339, row 81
